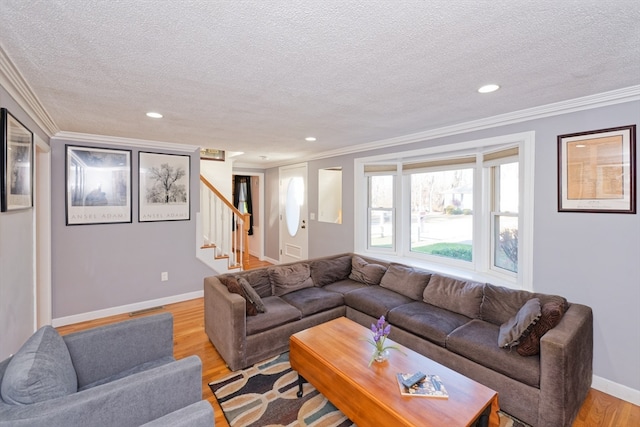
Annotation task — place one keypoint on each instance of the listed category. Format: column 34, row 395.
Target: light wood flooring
column 599, row 409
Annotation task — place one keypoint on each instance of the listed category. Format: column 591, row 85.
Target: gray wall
column 103, row 266
column 593, row 259
column 17, row 258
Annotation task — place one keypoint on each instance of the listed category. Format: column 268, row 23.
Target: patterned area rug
column 265, row 395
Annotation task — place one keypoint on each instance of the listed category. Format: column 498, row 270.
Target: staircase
column 222, row 231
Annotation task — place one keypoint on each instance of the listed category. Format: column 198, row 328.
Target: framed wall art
column 212, row 154
column 164, row 187
column 597, row 171
column 98, row 185
column 16, row 179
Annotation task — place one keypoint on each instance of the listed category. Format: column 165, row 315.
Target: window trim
column 525, row 142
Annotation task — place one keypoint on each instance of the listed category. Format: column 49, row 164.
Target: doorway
column 294, row 233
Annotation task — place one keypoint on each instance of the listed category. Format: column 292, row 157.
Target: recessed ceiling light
column 310, row 139
column 154, row 115
column 489, row 88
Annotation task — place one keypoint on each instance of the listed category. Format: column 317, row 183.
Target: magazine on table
column 430, row 386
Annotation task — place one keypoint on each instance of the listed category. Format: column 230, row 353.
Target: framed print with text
column 16, row 179
column 163, row 187
column 597, row 171
column 98, row 185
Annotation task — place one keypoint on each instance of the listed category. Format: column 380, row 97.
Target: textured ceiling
column 260, row 75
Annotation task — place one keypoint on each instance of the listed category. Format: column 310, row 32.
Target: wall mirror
column 330, row 195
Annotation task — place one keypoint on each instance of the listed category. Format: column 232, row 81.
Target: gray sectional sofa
column 542, row 368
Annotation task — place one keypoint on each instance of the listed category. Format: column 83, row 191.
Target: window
column 442, row 213
column 455, row 207
column 380, row 218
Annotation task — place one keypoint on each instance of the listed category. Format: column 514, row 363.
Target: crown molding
column 15, row 84
column 618, row 96
column 123, row 142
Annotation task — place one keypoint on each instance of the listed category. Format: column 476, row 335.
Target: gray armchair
column 122, row 374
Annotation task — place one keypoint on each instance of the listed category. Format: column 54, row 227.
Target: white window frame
column 480, row 269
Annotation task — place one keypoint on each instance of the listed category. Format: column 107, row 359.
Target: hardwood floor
column 599, row 409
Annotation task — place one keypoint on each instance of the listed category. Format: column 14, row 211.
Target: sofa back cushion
column 259, row 280
column 40, row 370
column 459, row 296
column 366, row 272
column 499, row 304
column 405, row 280
column 326, row 271
column 289, row 278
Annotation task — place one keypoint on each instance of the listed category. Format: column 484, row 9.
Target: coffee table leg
column 301, row 381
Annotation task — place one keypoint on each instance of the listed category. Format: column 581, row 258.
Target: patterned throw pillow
column 552, row 313
column 516, row 328
column 231, row 282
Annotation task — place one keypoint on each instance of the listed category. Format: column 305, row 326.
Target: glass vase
column 380, row 356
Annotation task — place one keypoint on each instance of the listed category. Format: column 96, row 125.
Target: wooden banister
column 242, row 239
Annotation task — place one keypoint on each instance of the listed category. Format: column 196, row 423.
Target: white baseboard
column 92, row 315
column 617, row 390
column 271, row 260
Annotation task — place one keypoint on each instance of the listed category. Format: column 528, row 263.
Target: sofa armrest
column 107, row 350
column 566, row 367
column 195, row 415
column 130, row 401
column 225, row 322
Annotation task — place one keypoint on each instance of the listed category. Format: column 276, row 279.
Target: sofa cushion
column 375, row 301
column 278, row 312
column 426, row 321
column 313, row 300
column 499, row 304
column 551, row 314
column 520, row 324
column 289, row 278
column 344, row 286
column 366, row 272
column 251, row 296
column 40, row 370
column 476, row 340
column 405, row 280
column 459, row 296
column 233, row 286
column 327, row 271
column 259, row 280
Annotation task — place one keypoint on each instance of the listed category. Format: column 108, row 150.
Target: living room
column 92, row 271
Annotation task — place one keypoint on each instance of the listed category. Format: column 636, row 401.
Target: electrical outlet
column 164, row 276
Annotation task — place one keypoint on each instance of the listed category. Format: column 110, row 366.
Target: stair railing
column 224, row 227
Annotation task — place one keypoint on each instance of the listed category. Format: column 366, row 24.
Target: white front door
column 294, row 221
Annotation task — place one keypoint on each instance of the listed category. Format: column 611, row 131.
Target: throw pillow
column 327, row 271
column 552, row 313
column 407, row 281
column 289, row 278
column 40, row 370
column 515, row 329
column 251, row 295
column 365, row 272
column 231, row 282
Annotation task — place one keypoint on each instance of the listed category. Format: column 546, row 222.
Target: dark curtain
column 239, row 182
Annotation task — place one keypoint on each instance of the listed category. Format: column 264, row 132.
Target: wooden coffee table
column 334, row 358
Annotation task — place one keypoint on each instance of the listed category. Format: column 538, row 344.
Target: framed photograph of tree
column 17, row 164
column 98, row 185
column 163, row 187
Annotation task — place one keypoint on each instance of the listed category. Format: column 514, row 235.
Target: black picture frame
column 597, row 171
column 164, row 192
column 16, row 179
column 98, row 185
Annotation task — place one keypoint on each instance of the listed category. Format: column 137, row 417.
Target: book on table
column 430, row 386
